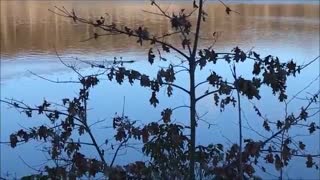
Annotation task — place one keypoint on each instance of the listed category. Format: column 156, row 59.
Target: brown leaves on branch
column 181, row 22
column 166, row 115
column 250, row 88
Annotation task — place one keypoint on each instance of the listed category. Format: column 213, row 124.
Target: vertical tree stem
column 192, row 123
column 240, row 135
column 192, row 67
column 234, row 73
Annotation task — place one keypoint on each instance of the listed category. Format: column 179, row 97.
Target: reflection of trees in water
column 26, row 26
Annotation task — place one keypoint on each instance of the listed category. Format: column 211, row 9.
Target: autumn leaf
column 81, row 130
column 278, row 163
column 256, row 68
column 269, row 158
column 266, row 125
column 202, row 62
column 214, row 79
column 195, row 5
column 43, row 132
column 212, row 56
column 165, row 48
column 145, row 81
column 301, row 145
column 154, row 86
column 309, row 162
column 29, row 113
column 257, row 56
column 279, row 124
column 228, row 10
column 166, row 115
column 13, row 140
column 216, row 99
column 169, row 90
column 151, row 56
column 257, row 111
column 153, row 100
column 120, row 75
column 65, row 101
column 145, row 135
column 312, row 127
column 121, row 134
column 303, row 114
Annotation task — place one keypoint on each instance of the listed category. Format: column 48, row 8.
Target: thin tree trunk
column 234, row 73
column 192, row 67
column 192, row 123
column 240, row 135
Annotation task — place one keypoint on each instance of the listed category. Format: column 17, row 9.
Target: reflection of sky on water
column 272, row 29
column 107, row 99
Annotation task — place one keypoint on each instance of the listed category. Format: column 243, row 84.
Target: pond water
column 30, row 35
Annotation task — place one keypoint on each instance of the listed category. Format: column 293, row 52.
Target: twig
column 50, row 80
column 153, row 2
column 117, row 150
column 228, row 10
column 24, row 162
column 123, row 106
column 159, row 14
column 309, row 63
column 97, row 35
column 306, row 87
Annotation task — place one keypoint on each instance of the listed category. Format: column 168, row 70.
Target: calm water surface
column 30, row 34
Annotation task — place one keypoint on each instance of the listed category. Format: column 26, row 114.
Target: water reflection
column 27, row 27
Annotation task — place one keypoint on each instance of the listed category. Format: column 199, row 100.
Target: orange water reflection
column 27, row 27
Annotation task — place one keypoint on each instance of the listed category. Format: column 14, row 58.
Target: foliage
column 173, row 152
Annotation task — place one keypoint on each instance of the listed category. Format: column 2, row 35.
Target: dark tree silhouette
column 173, row 154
